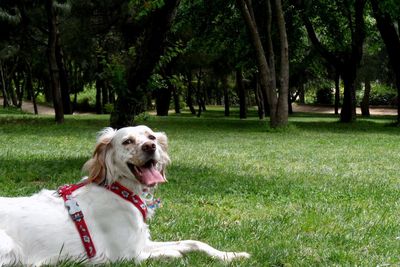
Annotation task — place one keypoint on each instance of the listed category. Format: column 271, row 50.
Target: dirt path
column 331, row 110
column 27, row 106
column 45, row 110
column 42, row 110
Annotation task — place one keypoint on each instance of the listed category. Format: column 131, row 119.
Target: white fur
column 37, row 230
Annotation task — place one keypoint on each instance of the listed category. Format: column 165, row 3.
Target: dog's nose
column 149, row 147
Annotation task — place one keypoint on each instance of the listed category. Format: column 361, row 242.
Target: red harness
column 128, row 195
column 76, row 214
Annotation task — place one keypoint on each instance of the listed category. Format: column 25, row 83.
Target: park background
column 282, row 117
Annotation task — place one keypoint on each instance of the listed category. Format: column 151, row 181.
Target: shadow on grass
column 373, row 125
column 34, row 174
column 323, row 123
column 27, row 176
column 211, row 121
column 46, row 126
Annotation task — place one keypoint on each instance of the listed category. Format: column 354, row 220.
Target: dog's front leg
column 8, row 250
column 176, row 249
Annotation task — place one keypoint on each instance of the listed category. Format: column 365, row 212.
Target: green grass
column 11, row 110
column 317, row 193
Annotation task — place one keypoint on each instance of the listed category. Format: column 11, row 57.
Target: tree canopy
column 133, row 55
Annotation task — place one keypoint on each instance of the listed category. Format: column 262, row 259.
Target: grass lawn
column 316, row 193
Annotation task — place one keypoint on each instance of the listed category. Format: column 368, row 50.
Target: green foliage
column 8, row 51
column 171, row 52
column 319, row 91
column 116, row 72
column 220, row 38
column 62, row 8
column 6, row 17
column 331, row 22
column 159, row 79
column 87, row 98
column 143, row 8
column 382, row 95
column 392, row 7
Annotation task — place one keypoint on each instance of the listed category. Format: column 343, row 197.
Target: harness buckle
column 73, row 209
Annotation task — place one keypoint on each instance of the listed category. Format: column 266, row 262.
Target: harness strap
column 76, row 215
column 128, row 195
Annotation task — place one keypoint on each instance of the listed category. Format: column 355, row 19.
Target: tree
column 52, row 59
column 9, row 50
column 147, row 53
column 278, row 103
column 386, row 25
column 341, row 45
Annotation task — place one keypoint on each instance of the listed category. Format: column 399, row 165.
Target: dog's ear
column 96, row 166
column 162, row 140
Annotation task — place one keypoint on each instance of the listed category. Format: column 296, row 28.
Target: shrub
column 382, row 95
column 324, row 96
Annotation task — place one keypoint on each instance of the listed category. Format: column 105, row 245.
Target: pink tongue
column 150, row 176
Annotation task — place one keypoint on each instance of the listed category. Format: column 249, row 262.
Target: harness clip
column 73, row 209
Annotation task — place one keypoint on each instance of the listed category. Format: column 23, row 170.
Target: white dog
column 102, row 218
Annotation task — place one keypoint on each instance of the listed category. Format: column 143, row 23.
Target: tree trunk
column 53, row 67
column 111, row 95
column 348, row 112
column 12, row 94
column 337, row 92
column 260, row 101
column 218, row 94
column 99, row 90
column 7, row 80
column 177, row 105
column 290, row 107
column 269, row 44
column 241, row 94
column 282, row 109
column 163, row 98
column 398, row 97
column 302, row 95
column 47, row 89
column 200, row 94
column 3, row 87
column 365, row 100
column 224, row 83
column 64, row 83
column 189, row 96
column 258, row 96
column 19, row 88
column 29, row 87
column 104, row 96
column 75, row 101
column 266, row 81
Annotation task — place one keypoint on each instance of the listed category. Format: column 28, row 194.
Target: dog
column 102, row 219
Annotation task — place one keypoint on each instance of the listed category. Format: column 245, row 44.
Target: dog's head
column 136, row 153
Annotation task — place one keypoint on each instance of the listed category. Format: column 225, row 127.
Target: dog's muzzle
column 148, row 174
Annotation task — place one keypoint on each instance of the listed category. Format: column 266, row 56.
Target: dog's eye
column 128, row 141
column 152, row 137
